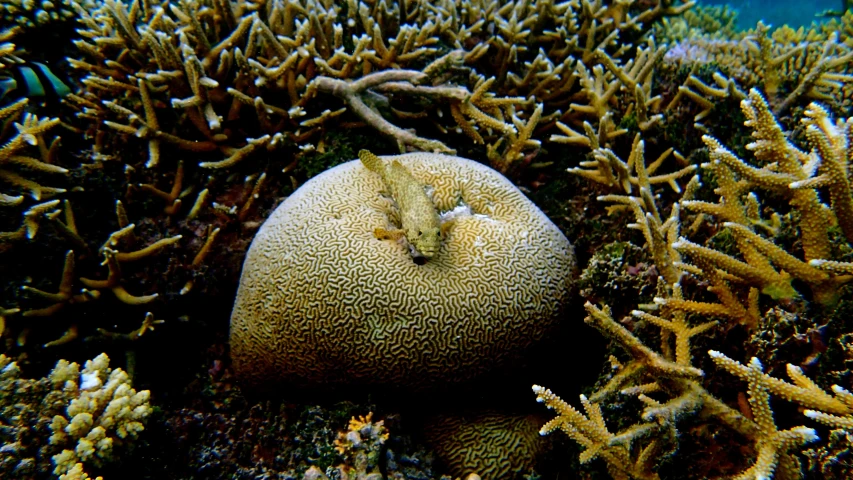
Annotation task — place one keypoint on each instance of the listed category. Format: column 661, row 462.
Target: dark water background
column 795, row 13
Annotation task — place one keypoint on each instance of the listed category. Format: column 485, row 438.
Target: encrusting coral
column 68, row 419
column 385, row 319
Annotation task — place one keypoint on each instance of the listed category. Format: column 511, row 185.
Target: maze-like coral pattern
column 322, row 300
column 491, row 444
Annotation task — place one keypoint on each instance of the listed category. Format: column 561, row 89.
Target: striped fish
column 32, row 80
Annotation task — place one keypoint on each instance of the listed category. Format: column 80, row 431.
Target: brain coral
column 491, row 444
column 322, row 300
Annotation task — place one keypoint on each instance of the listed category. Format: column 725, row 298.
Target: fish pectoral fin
column 383, row 234
column 446, row 226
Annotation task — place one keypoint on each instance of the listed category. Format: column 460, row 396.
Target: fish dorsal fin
column 33, row 84
column 47, row 77
column 371, row 161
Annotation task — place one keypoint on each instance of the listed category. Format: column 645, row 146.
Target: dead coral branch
column 353, row 93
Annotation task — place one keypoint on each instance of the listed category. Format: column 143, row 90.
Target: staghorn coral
column 105, row 413
column 18, row 167
column 667, row 382
column 711, row 21
column 239, row 78
column 787, row 171
column 789, row 66
column 384, row 318
column 29, row 14
column 634, row 451
column 93, row 288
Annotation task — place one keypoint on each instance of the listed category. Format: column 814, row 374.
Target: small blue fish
column 32, row 80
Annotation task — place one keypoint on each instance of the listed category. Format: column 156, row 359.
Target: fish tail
column 371, row 161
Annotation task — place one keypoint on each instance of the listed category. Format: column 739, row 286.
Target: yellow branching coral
column 666, row 381
column 609, row 169
column 789, row 66
column 66, row 293
column 830, row 163
column 256, row 79
column 29, row 132
column 590, row 431
column 18, row 165
column 647, row 375
column 789, row 172
column 717, row 22
column 772, row 444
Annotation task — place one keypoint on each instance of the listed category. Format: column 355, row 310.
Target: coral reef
column 502, row 276
column 216, row 431
column 192, row 120
column 751, row 267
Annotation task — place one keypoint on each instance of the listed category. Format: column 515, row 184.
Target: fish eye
column 420, row 233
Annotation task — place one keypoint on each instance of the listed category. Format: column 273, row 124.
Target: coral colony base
column 701, row 172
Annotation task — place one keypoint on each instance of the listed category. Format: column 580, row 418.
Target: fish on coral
column 504, row 274
column 418, row 215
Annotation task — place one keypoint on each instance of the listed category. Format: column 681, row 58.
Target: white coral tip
column 89, row 381
column 809, row 434
column 839, row 390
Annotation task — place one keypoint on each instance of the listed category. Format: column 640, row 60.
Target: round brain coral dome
column 323, row 301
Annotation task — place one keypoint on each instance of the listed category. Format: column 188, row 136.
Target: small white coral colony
column 105, row 412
